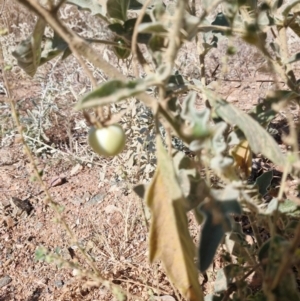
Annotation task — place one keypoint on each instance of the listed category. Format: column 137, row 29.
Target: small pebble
column 59, row 283
column 5, row 281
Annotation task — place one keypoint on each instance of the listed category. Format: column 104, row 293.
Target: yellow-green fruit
column 107, row 141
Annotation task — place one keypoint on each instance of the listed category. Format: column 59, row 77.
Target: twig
column 287, row 169
column 82, row 47
column 134, row 39
column 59, row 151
column 284, row 53
column 255, row 230
column 174, row 40
column 249, row 80
column 229, row 291
column 55, row 206
column 141, row 284
column 286, row 260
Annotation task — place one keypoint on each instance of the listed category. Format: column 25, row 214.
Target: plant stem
column 48, row 200
column 286, row 259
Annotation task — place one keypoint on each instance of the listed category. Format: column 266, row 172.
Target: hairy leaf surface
column 259, row 139
column 28, row 52
column 170, row 240
column 110, row 92
column 117, row 9
column 91, row 5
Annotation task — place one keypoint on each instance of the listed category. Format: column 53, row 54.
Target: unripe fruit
column 107, row 141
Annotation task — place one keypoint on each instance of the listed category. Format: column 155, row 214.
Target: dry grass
column 95, row 193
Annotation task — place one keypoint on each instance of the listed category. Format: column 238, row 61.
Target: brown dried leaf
column 170, row 240
column 243, row 158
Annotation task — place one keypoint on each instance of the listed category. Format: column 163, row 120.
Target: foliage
column 222, row 137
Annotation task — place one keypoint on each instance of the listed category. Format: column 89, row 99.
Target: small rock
column 76, row 169
column 59, row 283
column 57, row 181
column 97, row 199
column 5, row 281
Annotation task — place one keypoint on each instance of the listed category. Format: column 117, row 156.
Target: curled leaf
column 259, row 139
column 242, row 156
column 170, row 240
column 28, row 52
column 111, row 92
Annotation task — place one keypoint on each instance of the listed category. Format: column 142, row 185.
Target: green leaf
column 170, row 240
column 140, row 190
column 129, row 27
column 272, row 249
column 126, row 30
column 194, row 189
column 289, row 207
column 217, row 222
column 129, row 24
column 258, row 138
column 199, row 126
column 294, row 23
column 28, row 52
column 111, row 92
column 40, row 253
column 117, row 28
column 117, row 9
column 52, row 48
column 211, row 235
column 264, row 181
column 271, row 256
column 288, row 288
column 190, row 26
column 220, row 20
column 236, row 243
column 286, row 207
column 156, row 43
column 123, row 51
column 91, row 5
column 225, row 277
column 66, row 53
column 135, row 5
column 263, row 113
column 293, row 59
